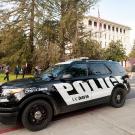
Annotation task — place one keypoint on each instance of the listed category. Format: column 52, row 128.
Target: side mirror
column 51, row 76
column 66, row 76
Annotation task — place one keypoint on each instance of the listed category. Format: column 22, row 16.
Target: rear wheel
column 118, row 97
column 37, row 115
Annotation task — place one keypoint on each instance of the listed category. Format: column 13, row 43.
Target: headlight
column 8, row 95
column 18, row 90
column 12, row 91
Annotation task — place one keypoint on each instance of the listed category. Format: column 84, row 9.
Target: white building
column 105, row 31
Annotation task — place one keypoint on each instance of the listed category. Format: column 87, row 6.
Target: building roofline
column 118, row 24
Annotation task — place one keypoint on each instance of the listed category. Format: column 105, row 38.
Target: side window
column 117, row 68
column 78, row 70
column 98, row 69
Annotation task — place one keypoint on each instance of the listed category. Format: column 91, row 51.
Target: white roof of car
column 66, row 62
column 72, row 60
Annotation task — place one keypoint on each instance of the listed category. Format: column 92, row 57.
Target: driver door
column 73, row 86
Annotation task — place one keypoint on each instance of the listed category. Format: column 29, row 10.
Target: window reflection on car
column 53, row 72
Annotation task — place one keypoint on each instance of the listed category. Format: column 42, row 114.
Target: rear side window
column 78, row 70
column 117, row 68
column 98, row 69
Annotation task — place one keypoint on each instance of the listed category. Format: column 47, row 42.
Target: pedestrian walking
column 6, row 73
column 1, row 68
column 16, row 71
column 24, row 70
column 36, row 71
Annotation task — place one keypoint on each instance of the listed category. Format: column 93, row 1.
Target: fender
column 38, row 95
column 121, row 86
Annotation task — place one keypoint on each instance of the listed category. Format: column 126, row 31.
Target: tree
column 69, row 14
column 13, row 46
column 115, row 51
column 45, row 60
column 23, row 15
column 45, row 23
column 89, row 48
column 47, row 48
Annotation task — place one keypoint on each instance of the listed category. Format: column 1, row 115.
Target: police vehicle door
column 99, row 80
column 74, row 87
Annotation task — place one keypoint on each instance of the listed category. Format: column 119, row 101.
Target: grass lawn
column 12, row 77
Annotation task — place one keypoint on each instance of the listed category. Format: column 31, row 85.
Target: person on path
column 16, row 71
column 6, row 73
column 1, row 68
column 24, row 70
column 36, row 71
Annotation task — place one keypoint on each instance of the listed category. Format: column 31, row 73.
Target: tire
column 37, row 115
column 118, row 97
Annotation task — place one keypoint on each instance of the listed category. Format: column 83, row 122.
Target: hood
column 20, row 82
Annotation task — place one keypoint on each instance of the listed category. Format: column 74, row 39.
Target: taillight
column 126, row 78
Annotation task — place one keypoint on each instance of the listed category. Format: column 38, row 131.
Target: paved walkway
column 103, row 120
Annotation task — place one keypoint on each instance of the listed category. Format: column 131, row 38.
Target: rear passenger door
column 99, row 81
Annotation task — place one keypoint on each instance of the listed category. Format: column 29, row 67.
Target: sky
column 119, row 11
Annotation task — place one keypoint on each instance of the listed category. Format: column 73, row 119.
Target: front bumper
column 8, row 115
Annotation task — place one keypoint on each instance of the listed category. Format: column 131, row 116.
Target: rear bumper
column 128, row 87
column 8, row 115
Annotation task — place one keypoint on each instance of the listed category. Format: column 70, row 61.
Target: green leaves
column 38, row 31
column 132, row 53
column 89, row 48
column 13, row 42
column 115, row 51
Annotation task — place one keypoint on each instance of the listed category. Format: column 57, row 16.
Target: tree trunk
column 62, row 31
column 31, row 36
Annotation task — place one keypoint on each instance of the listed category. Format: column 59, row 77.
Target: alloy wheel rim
column 37, row 114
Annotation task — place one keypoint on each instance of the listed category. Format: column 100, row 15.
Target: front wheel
column 37, row 115
column 118, row 97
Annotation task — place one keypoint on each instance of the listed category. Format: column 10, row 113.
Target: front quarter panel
column 32, row 91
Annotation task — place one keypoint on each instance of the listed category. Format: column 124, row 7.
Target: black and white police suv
column 65, row 87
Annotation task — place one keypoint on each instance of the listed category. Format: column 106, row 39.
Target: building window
column 95, row 35
column 124, row 31
column 109, row 37
column 90, row 22
column 105, row 36
column 109, row 27
column 90, row 33
column 100, row 25
column 100, row 35
column 104, row 26
column 120, row 30
column 113, row 28
column 95, row 24
column 117, row 29
column 105, row 44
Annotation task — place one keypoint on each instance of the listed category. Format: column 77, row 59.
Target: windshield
column 53, row 72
